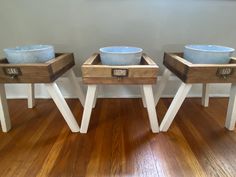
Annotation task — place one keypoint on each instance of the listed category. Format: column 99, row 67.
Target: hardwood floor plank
column 205, row 132
column 139, row 136
column 99, row 157
column 119, row 141
column 168, row 144
column 30, row 153
column 46, row 141
column 19, row 149
column 118, row 158
column 70, row 153
column 51, row 158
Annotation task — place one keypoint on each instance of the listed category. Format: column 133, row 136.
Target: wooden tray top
column 36, row 72
column 200, row 73
column 95, row 73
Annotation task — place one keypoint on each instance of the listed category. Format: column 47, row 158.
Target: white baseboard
column 111, row 91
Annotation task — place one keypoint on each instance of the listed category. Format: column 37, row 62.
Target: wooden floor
column 119, row 141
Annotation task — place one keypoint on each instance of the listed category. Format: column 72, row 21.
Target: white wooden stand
column 57, row 97
column 4, row 114
column 31, row 100
column 147, row 97
column 90, row 97
column 231, row 112
column 161, row 86
column 181, row 95
column 95, row 96
column 77, row 87
column 205, row 95
column 143, row 97
column 175, row 105
column 143, row 75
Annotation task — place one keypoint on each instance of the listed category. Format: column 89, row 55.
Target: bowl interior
column 209, row 48
column 120, row 49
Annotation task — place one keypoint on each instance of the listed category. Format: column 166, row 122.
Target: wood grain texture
column 198, row 73
column 94, row 72
column 119, row 141
column 120, row 81
column 38, row 72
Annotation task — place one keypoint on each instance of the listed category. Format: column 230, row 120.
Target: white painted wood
column 205, row 95
column 231, row 112
column 161, row 85
column 148, row 94
column 95, row 97
column 31, row 100
column 143, row 97
column 78, row 88
column 4, row 114
column 175, row 105
column 88, row 108
column 59, row 100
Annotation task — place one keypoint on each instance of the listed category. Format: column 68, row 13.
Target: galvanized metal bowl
column 120, row 55
column 30, row 54
column 208, row 54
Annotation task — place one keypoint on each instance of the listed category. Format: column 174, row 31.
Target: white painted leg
column 88, row 108
column 4, row 114
column 205, row 95
column 78, row 88
column 31, row 100
column 95, row 97
column 147, row 89
column 143, row 97
column 175, row 105
column 161, row 85
column 62, row 106
column 231, row 112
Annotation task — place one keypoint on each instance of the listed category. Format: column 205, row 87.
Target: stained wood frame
column 198, row 73
column 37, row 72
column 95, row 73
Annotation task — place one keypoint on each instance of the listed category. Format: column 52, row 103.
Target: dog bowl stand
column 191, row 74
column 95, row 73
column 45, row 73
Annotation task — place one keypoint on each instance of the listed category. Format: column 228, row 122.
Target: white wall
column 83, row 26
column 111, row 91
